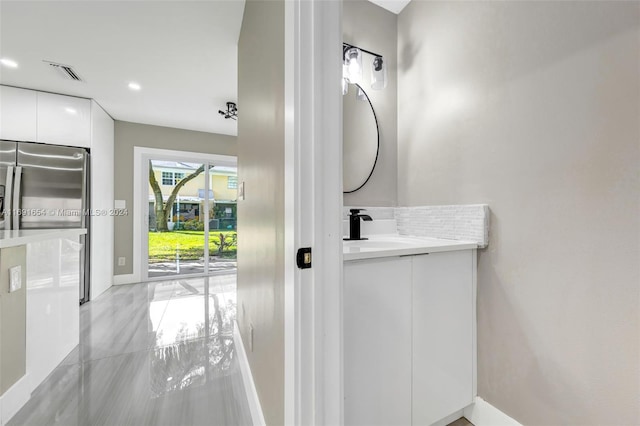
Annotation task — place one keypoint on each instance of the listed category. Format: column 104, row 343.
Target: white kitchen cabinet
column 53, row 312
column 377, row 342
column 409, row 338
column 64, row 120
column 17, row 114
column 32, row 116
column 443, row 295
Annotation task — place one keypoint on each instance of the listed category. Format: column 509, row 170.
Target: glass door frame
column 141, row 204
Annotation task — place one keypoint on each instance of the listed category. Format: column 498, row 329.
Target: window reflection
column 193, row 335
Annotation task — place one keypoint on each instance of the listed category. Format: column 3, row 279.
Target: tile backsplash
column 468, row 222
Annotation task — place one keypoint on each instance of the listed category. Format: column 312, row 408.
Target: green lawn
column 188, row 244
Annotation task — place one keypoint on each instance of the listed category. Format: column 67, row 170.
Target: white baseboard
column 14, row 399
column 481, row 413
column 247, row 378
column 125, row 279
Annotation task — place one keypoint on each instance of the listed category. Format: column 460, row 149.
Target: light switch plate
column 15, row 278
column 119, row 204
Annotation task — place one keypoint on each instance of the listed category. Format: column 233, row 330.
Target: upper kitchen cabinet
column 18, row 114
column 64, row 120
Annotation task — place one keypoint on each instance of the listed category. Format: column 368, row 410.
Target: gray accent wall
column 534, row 108
column 371, row 27
column 261, row 82
column 128, row 135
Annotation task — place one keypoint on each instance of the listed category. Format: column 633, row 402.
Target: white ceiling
column 394, row 6
column 182, row 53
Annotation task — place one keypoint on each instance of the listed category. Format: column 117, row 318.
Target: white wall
column 534, row 108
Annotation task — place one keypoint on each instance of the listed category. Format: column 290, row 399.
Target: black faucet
column 354, row 224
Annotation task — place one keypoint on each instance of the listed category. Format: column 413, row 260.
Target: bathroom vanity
column 409, row 330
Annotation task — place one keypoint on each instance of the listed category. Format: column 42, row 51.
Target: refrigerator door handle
column 8, row 194
column 16, row 198
column 86, row 204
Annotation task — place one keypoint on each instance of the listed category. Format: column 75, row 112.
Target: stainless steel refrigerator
column 46, row 187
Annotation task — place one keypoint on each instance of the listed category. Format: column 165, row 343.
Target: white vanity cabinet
column 443, row 319
column 377, row 341
column 409, row 338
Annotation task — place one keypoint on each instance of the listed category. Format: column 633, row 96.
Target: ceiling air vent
column 65, row 70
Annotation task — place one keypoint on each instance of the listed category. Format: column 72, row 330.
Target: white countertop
column 398, row 245
column 18, row 238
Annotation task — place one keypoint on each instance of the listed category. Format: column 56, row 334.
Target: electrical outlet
column 122, row 261
column 251, row 337
column 15, row 278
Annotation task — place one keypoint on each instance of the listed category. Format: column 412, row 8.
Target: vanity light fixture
column 353, row 64
column 345, row 82
column 379, row 73
column 352, row 68
column 231, row 112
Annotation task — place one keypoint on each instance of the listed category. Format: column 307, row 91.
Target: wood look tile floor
column 150, row 354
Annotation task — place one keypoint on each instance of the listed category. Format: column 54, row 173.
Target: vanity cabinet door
column 377, row 342
column 443, row 318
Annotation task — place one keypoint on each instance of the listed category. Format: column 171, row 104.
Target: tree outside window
column 163, row 209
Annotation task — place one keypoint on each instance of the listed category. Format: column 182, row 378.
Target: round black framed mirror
column 360, row 139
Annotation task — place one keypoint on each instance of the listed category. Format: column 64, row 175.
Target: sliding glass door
column 191, row 218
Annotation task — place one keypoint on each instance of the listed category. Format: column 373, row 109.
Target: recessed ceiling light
column 134, row 86
column 9, row 63
column 71, row 111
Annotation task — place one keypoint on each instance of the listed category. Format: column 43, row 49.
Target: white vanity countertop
column 18, row 238
column 398, row 245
